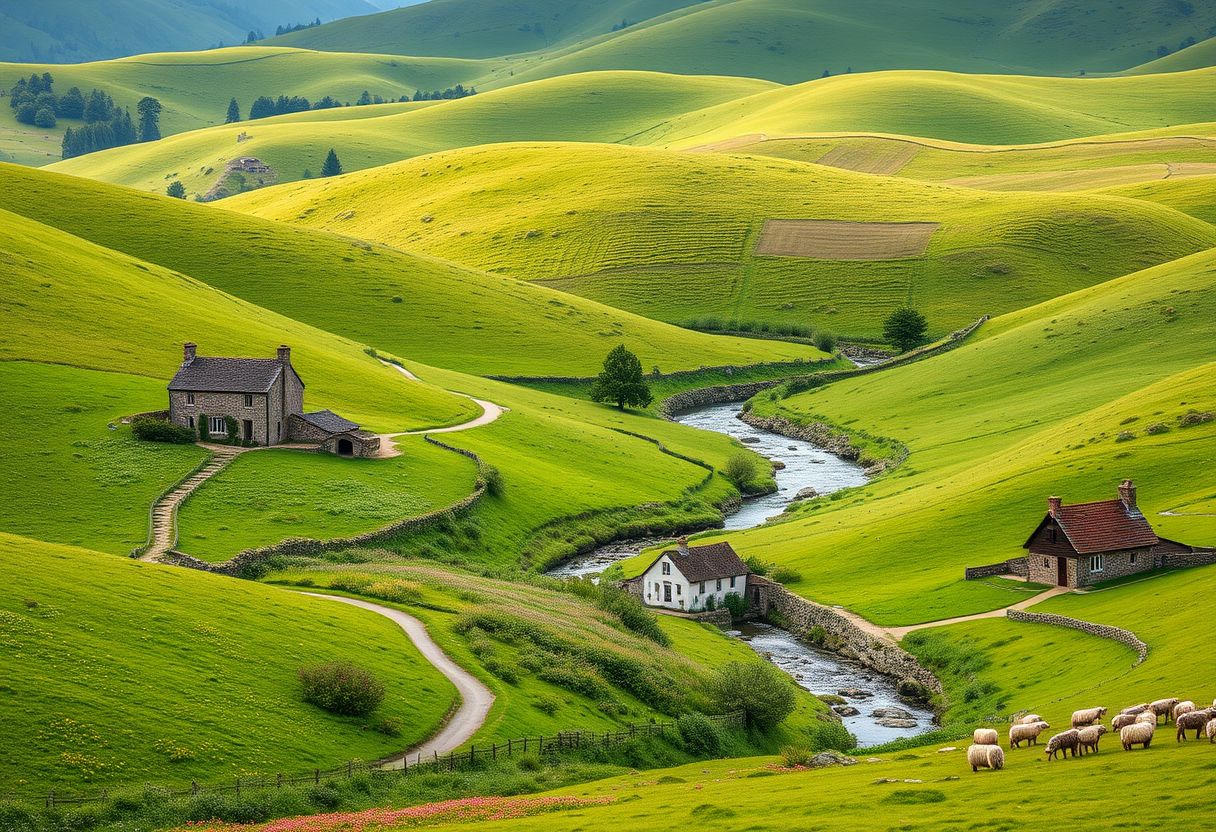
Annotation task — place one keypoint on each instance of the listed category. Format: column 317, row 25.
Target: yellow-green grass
column 415, row 306
column 984, row 109
column 119, row 671
column 317, row 496
column 1063, row 398
column 1194, row 195
column 70, row 301
column 194, row 87
column 67, row 476
column 672, row 235
column 1196, row 56
column 602, row 107
column 568, row 630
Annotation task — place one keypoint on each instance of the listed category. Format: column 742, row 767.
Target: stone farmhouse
column 265, row 398
column 692, row 578
column 1084, row 544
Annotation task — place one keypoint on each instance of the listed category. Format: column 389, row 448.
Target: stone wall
column 720, row 618
column 730, row 369
column 1196, row 557
column 1013, row 566
column 800, row 616
column 1101, row 630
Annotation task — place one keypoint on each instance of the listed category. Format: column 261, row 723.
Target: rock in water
column 806, row 493
column 891, row 713
column 845, row 710
column 854, row 693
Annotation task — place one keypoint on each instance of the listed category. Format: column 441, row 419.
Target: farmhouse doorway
column 345, row 448
column 247, row 428
column 1062, row 571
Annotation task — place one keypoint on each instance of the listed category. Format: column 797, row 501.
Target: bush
column 830, row 735
column 493, row 480
column 760, row 690
column 756, row 565
column 700, row 735
column 734, row 602
column 740, row 469
column 796, row 755
column 546, row 705
column 826, row 342
column 785, row 575
column 341, row 688
column 159, row 430
column 324, row 796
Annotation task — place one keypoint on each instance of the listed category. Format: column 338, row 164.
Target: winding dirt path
column 899, row 632
column 489, row 413
column 475, row 698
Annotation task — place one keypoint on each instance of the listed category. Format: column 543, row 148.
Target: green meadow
column 120, row 672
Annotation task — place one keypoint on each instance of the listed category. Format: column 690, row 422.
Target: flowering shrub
column 465, row 810
column 341, row 688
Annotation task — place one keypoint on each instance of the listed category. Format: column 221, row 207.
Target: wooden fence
column 403, row 766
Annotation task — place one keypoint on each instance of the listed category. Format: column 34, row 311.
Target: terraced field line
column 164, row 510
column 475, row 698
column 489, row 411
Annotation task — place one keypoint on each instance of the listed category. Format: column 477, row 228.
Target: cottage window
column 732, row 581
column 678, row 589
column 1046, row 563
column 1133, row 559
column 218, row 425
column 666, row 568
column 702, row 590
column 191, row 419
column 248, row 400
column 719, row 584
column 278, row 430
column 1051, row 534
column 1096, row 563
column 189, row 398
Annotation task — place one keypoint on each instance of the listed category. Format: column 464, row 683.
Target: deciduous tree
column 905, row 328
column 621, row 380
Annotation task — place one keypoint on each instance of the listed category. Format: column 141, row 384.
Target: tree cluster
column 458, row 91
column 108, row 125
column 299, row 27
column 264, row 106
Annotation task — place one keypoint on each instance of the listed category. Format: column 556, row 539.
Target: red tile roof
column 1106, row 526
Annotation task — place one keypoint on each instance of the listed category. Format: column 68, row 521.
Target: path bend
column 475, row 698
column 898, row 633
column 489, row 411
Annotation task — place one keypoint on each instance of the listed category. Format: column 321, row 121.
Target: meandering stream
column 818, row 671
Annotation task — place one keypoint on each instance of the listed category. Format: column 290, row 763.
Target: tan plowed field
column 840, row 240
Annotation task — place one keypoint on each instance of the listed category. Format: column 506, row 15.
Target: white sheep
column 1135, row 710
column 1163, row 707
column 1184, row 707
column 1087, row 717
column 985, row 736
column 1210, row 729
column 1139, row 734
column 1089, row 737
column 1019, row 734
column 1029, row 719
column 986, row 756
column 1119, row 721
column 1147, row 717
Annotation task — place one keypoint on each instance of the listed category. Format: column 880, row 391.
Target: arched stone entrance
column 345, row 447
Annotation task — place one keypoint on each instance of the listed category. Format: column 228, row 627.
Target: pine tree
column 71, row 104
column 149, row 119
column 331, row 167
column 176, row 189
column 261, row 107
column 621, row 380
column 234, row 113
column 44, row 118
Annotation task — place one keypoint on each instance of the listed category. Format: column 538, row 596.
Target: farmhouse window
column 702, row 589
column 678, row 589
column 1096, row 563
column 191, row 418
column 248, row 400
column 218, row 425
column 1133, row 559
column 189, row 398
column 666, row 568
column 1046, row 563
column 732, row 581
column 719, row 584
column 1051, row 534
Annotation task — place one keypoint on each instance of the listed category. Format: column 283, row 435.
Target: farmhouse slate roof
column 1105, row 526
column 227, row 375
column 706, row 563
column 329, row 421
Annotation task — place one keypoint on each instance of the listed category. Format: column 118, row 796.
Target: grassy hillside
column 674, row 236
column 1191, row 195
column 120, row 672
column 601, row 107
column 1093, row 388
column 499, row 325
column 1202, row 54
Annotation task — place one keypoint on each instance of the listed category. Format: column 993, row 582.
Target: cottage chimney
column 682, row 545
column 188, row 350
column 1053, row 506
column 285, row 354
column 1127, row 494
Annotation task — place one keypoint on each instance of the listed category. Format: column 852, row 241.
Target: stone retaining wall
column 1013, row 566
column 248, row 563
column 799, row 616
column 1196, row 557
column 1101, row 630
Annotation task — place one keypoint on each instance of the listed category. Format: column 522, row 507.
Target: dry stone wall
column 1196, row 557
column 1013, row 566
column 1100, row 630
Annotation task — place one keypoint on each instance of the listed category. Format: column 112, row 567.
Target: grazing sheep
column 1062, row 743
column 1029, row 719
column 1163, row 707
column 1019, row 734
column 1211, row 729
column 1087, row 717
column 1120, row 721
column 986, row 756
column 1184, row 707
column 1088, row 738
column 985, row 736
column 1139, row 734
column 1147, row 717
column 1135, row 710
column 1192, row 720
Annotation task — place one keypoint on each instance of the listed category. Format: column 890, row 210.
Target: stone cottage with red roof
column 1086, row 543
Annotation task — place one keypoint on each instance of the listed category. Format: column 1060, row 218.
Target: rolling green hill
column 674, row 236
column 1093, row 387
column 1194, row 195
column 424, row 309
column 1197, row 56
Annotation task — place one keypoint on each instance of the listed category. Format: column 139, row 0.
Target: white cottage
column 688, row 577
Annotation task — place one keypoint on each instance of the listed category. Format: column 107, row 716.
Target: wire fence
column 401, row 766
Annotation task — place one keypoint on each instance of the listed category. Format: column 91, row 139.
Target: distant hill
column 1196, row 56
column 781, row 40
column 69, row 31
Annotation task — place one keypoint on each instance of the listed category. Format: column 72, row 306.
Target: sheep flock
column 1135, row 726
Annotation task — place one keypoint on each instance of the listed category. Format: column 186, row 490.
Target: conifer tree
column 331, row 167
column 234, row 112
column 149, row 119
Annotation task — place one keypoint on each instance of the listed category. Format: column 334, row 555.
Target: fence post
column 494, row 751
column 540, row 744
column 317, row 776
column 510, row 751
column 472, row 752
column 578, row 738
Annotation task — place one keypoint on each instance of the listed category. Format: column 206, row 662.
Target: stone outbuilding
column 263, row 398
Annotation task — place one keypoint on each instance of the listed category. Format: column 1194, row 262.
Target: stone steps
column 164, row 512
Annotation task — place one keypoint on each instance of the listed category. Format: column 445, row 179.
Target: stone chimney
column 1053, row 506
column 682, row 545
column 1127, row 494
column 285, row 354
column 188, row 350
